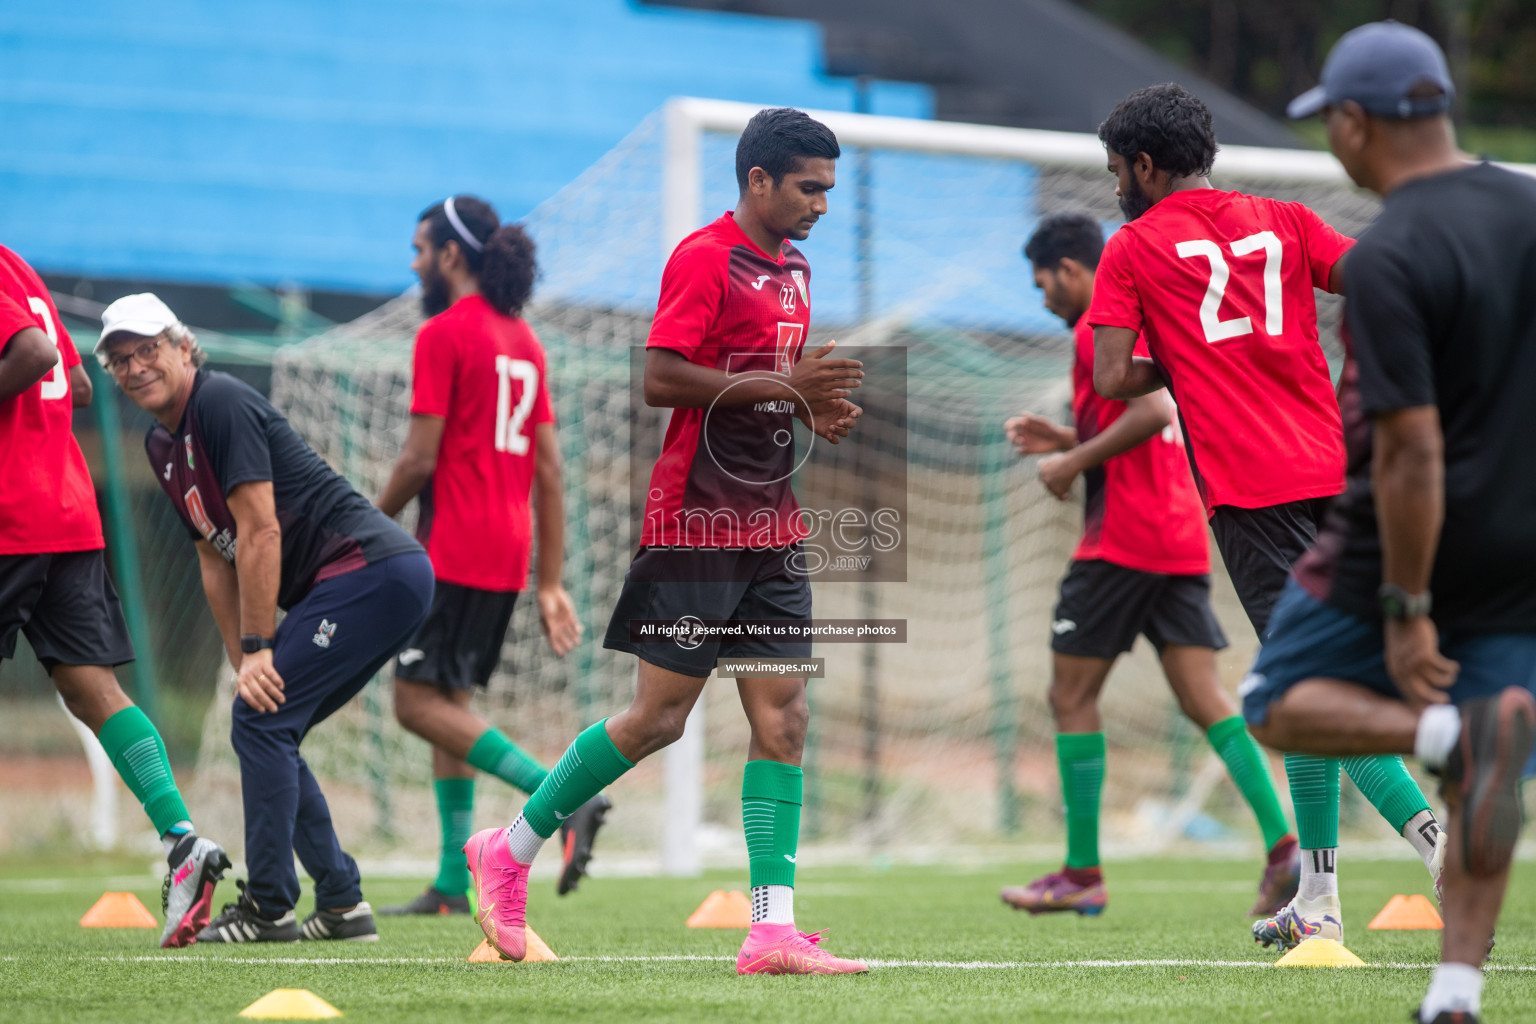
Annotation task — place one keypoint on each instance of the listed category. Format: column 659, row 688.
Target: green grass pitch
column 1173, row 946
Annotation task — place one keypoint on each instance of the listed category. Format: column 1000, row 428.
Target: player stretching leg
column 481, row 435
column 54, row 585
column 355, row 586
column 720, row 541
column 1438, row 415
column 1220, row 286
column 1142, row 566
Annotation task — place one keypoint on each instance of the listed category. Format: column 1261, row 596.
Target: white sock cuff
column 523, row 841
column 773, row 904
column 1439, row 728
column 1453, row 987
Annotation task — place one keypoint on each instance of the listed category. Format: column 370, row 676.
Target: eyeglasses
column 120, row 364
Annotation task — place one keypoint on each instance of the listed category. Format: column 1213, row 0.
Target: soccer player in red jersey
column 720, row 542
column 1220, row 286
column 482, row 434
column 54, row 585
column 1142, row 567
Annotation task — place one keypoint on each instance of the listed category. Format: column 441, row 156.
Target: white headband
column 458, row 225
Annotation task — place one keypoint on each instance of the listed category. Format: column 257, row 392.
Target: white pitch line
column 954, row 965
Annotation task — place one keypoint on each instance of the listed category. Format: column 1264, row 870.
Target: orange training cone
column 722, row 909
column 538, row 949
column 1407, row 912
column 119, row 910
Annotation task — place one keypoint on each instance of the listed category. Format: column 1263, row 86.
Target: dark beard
column 434, row 295
column 1134, row 202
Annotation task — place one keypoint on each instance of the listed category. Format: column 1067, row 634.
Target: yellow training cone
column 1408, row 912
column 290, row 1004
column 722, row 909
column 538, row 950
column 119, row 910
column 1320, row 953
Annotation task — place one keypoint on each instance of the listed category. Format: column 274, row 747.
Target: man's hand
column 258, row 682
column 1035, row 435
column 831, row 420
column 1414, row 662
column 557, row 614
column 1057, row 473
column 819, row 380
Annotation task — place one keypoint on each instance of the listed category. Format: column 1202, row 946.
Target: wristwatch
column 1397, row 605
column 250, row 643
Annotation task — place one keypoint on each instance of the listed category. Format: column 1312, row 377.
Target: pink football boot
column 501, row 892
column 781, row 949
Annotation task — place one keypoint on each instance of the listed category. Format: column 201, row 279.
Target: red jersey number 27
column 1216, row 329
column 511, row 419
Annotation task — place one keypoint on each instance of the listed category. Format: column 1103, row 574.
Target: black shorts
column 459, row 646
column 711, row 584
column 1104, row 606
column 1259, row 546
column 66, row 605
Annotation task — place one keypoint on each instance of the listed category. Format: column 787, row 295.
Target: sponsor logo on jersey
column 190, row 464
column 799, row 276
column 1063, row 626
column 324, row 633
column 787, row 299
column 197, row 513
column 758, row 284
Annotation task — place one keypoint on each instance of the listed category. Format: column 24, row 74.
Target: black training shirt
column 231, row 435
column 1441, row 310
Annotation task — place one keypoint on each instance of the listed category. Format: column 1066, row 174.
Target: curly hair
column 1169, row 124
column 504, row 265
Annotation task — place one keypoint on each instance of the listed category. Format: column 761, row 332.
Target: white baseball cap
column 142, row 314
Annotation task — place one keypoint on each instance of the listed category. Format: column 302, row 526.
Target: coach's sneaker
column 781, row 949
column 1299, row 920
column 433, row 902
column 576, row 835
column 1282, row 877
column 197, row 865
column 1484, row 768
column 1079, row 889
column 501, row 892
column 241, row 921
column 355, row 925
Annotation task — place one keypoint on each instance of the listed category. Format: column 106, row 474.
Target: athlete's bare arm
column 1408, row 477
column 819, row 386
column 258, row 567
column 222, row 588
column 418, row 459
column 79, row 386
column 1117, row 371
column 1143, row 418
column 557, row 613
column 25, row 360
column 1336, row 276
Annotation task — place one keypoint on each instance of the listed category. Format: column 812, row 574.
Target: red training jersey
column 723, row 476
column 483, row 373
column 1220, row 286
column 47, row 502
column 1143, row 511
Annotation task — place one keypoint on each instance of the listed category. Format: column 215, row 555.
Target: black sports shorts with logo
column 1259, row 546
column 66, row 605
column 711, row 585
column 1103, row 607
column 459, row 646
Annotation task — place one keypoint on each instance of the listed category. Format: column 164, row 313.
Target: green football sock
column 770, row 814
column 130, row 740
column 1315, row 797
column 456, row 815
column 1080, row 756
column 1250, row 772
column 510, row 763
column 589, row 765
column 1384, row 780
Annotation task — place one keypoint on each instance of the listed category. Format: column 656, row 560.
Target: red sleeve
column 1115, row 299
column 1323, row 245
column 13, row 318
column 692, row 290
column 432, row 366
